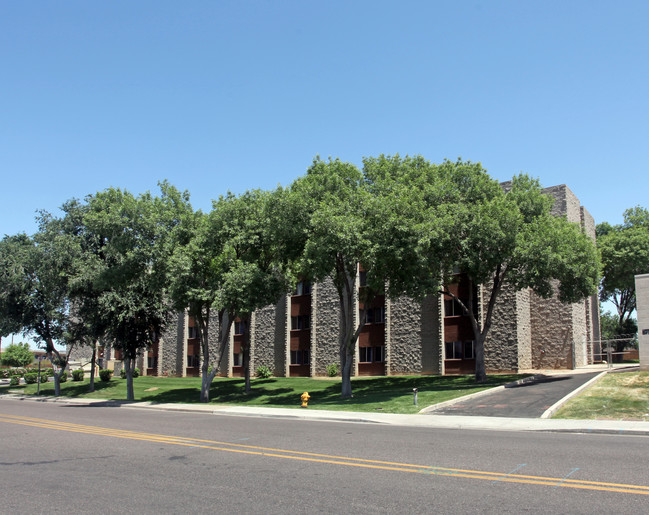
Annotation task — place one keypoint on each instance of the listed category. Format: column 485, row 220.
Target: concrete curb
column 555, row 407
column 428, row 422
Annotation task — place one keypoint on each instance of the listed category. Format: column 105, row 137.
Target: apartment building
column 299, row 335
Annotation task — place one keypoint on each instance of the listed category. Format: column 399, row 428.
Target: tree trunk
column 480, row 372
column 346, row 361
column 207, row 378
column 57, row 382
column 129, row 365
column 93, row 360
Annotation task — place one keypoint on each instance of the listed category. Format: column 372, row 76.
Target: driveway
column 527, row 400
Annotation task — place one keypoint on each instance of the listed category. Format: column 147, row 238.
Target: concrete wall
column 642, row 308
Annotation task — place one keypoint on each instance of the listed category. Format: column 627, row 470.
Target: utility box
column 642, row 309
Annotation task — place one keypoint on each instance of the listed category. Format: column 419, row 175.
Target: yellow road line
column 324, row 458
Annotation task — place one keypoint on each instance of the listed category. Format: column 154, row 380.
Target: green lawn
column 616, row 396
column 377, row 394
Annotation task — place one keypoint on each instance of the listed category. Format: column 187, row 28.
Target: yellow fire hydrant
column 305, row 399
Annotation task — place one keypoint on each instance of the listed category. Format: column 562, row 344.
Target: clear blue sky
column 231, row 95
column 235, row 95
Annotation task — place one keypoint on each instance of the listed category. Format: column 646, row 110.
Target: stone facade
column 405, row 323
column 325, row 327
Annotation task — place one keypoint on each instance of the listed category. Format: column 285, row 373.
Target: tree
column 34, row 288
column 507, row 237
column 334, row 197
column 134, row 238
column 259, row 250
column 359, row 218
column 231, row 262
column 17, row 355
column 624, row 252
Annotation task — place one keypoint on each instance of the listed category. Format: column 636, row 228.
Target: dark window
column 152, row 362
column 193, row 332
column 299, row 357
column 375, row 315
column 239, row 328
column 379, row 354
column 365, row 354
column 237, row 360
column 302, row 288
column 460, row 350
column 300, row 322
column 362, row 278
column 193, row 360
column 469, row 350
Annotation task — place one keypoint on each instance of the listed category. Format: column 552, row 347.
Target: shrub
column 64, row 377
column 5, row 373
column 263, row 372
column 105, row 375
column 14, row 380
column 77, row 375
column 136, row 373
column 332, row 369
column 31, row 378
column 44, row 378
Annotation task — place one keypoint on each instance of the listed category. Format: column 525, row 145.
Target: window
column 239, row 328
column 237, row 359
column 460, row 350
column 193, row 360
column 452, row 307
column 376, row 315
column 299, row 357
column 152, row 362
column 300, row 322
column 193, row 332
column 302, row 288
column 371, row 354
column 362, row 278
column 365, row 354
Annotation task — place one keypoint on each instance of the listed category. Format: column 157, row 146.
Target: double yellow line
column 325, row 458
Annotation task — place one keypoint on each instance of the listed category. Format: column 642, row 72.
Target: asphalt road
column 525, row 400
column 76, row 459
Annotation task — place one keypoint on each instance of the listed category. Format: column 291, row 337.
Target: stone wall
column 552, row 333
column 431, row 335
column 405, row 344
column 501, row 344
column 326, row 326
column 269, row 332
column 171, row 348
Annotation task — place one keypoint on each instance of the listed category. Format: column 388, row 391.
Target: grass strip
column 392, row 394
column 616, row 396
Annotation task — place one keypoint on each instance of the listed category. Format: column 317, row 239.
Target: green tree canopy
column 34, row 287
column 133, row 241
column 625, row 253
column 17, row 355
